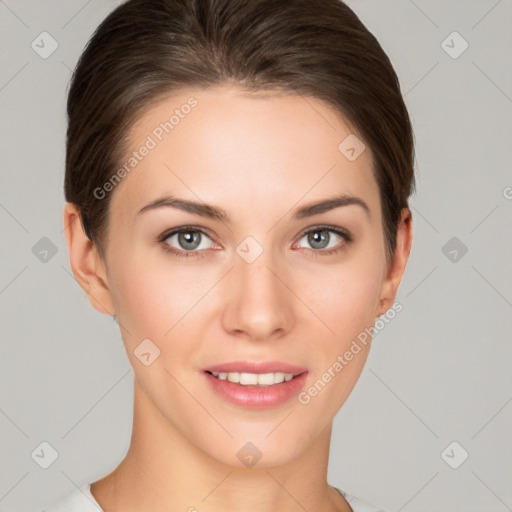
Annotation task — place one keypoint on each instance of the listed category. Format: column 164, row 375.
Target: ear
column 88, row 267
column 396, row 267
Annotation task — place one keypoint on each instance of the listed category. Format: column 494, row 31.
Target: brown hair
column 147, row 49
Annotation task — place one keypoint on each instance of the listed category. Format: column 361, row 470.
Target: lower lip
column 257, row 397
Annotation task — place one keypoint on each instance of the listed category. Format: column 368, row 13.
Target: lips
column 256, row 367
column 256, row 397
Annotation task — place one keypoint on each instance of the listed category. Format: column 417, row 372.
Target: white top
column 82, row 500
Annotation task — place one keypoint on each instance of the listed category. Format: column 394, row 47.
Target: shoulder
column 357, row 504
column 80, row 500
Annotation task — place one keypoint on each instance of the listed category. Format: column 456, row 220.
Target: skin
column 259, row 158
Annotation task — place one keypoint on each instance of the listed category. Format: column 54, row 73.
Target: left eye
column 321, row 238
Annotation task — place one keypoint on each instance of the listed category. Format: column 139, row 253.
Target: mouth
column 256, row 390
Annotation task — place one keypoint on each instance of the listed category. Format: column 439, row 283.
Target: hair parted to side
column 148, row 49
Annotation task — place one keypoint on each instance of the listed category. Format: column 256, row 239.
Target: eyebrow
column 216, row 213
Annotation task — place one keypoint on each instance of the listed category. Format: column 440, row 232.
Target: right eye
column 185, row 241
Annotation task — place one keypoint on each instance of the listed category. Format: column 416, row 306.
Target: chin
column 259, row 451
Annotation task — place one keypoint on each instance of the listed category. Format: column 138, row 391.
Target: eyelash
column 345, row 235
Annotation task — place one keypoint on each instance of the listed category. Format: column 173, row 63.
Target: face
column 256, row 282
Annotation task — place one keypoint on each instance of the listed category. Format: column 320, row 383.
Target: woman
column 237, row 183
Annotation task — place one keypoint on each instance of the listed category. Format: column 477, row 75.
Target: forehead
column 230, row 147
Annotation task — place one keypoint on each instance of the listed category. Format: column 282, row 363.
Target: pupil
column 189, row 239
column 317, row 239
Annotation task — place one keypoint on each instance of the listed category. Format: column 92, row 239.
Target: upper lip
column 256, row 367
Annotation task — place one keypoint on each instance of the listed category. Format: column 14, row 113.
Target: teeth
column 254, row 379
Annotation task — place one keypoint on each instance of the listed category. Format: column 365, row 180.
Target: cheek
column 159, row 300
column 345, row 298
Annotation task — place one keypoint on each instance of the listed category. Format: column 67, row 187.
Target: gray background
column 439, row 372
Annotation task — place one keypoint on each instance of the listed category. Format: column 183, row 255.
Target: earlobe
column 86, row 264
column 396, row 267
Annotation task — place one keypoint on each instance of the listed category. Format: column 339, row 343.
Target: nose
column 258, row 302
